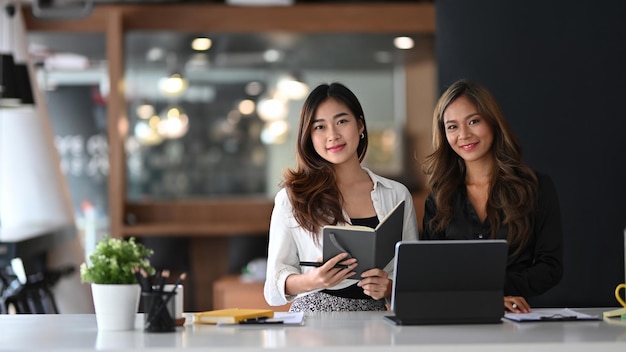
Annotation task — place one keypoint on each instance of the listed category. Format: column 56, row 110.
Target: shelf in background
column 222, row 217
column 208, row 229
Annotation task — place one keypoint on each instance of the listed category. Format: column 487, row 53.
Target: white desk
column 346, row 332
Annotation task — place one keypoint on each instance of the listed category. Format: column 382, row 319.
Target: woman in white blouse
column 328, row 187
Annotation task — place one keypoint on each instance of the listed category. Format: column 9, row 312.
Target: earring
column 362, row 135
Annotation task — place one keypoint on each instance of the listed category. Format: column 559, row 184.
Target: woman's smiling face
column 469, row 134
column 335, row 132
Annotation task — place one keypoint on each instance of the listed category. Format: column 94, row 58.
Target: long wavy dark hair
column 312, row 186
column 513, row 185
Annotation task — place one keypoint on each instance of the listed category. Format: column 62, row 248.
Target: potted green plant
column 111, row 271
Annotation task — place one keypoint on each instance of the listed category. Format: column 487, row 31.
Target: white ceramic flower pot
column 116, row 306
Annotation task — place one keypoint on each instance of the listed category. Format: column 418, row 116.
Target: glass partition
column 71, row 73
column 219, row 119
column 215, row 115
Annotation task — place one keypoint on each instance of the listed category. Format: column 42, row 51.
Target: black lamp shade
column 9, row 91
column 24, row 88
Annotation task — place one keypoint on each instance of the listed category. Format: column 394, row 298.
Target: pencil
column 145, row 281
column 158, row 308
column 161, row 279
column 179, row 281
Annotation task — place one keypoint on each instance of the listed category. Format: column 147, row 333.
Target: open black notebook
column 373, row 248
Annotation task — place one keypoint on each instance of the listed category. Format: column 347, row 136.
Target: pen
column 161, row 279
column 144, row 280
column 558, row 317
column 179, row 281
column 261, row 320
column 318, row 264
column 164, row 303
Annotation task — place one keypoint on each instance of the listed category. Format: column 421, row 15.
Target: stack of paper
column 550, row 315
column 290, row 318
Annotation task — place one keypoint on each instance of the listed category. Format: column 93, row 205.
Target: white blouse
column 289, row 243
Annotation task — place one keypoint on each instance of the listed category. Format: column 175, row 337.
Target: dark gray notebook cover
column 373, row 248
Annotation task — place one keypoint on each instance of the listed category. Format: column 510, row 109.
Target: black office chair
column 32, row 294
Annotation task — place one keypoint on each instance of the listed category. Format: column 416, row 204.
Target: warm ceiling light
column 154, row 121
column 201, row 44
column 403, row 43
column 293, row 88
column 145, row 111
column 271, row 55
column 246, row 107
column 271, row 109
column 173, row 85
column 147, row 134
column 155, row 54
column 254, row 88
column 275, row 132
column 174, row 123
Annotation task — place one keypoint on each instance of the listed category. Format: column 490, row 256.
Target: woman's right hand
column 321, row 277
column 327, row 275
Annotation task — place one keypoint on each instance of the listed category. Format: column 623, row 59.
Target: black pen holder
column 159, row 311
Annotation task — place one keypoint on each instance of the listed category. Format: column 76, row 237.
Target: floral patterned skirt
column 323, row 302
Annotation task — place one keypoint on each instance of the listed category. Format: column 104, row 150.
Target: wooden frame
column 115, row 20
column 383, row 17
column 208, row 222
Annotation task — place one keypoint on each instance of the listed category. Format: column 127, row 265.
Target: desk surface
column 355, row 331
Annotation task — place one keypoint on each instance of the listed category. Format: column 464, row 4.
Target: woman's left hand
column 375, row 283
column 516, row 304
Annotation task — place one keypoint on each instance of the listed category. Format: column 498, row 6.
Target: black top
column 354, row 291
column 369, row 222
column 539, row 266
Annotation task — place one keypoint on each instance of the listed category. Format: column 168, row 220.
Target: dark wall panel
column 558, row 69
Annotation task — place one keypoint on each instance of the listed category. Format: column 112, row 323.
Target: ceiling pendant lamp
column 9, row 92
column 15, row 84
column 9, row 96
column 22, row 70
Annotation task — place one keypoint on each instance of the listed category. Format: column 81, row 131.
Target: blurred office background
column 213, row 123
